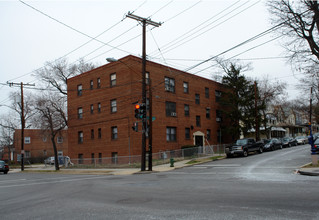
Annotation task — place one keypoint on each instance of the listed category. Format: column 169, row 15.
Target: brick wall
column 127, row 91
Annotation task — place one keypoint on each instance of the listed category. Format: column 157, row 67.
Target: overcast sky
column 34, row 32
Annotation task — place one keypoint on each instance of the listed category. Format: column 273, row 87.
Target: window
column 169, row 84
column 92, row 109
column 208, row 134
column 113, row 106
column 187, row 133
column 113, row 79
column 147, row 78
column 170, row 133
column 98, row 83
column 170, row 109
column 197, row 99
column 218, row 95
column 59, row 140
column 80, row 137
column 80, row 113
column 197, row 120
column 206, row 92
column 27, row 140
column 92, row 133
column 207, row 112
column 60, row 153
column 80, row 90
column 99, row 135
column 27, row 154
column 218, row 115
column 92, row 158
column 114, row 133
column 186, row 110
column 98, row 107
column 80, row 157
column 100, row 157
column 185, row 85
column 91, row 84
column 114, row 157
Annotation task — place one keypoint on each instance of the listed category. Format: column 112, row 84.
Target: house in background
column 186, row 110
column 38, row 145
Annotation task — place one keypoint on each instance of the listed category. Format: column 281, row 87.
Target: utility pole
column 150, row 131
column 22, row 119
column 144, row 22
column 314, row 157
column 256, row 113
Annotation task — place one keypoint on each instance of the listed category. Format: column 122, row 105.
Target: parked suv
column 4, row 167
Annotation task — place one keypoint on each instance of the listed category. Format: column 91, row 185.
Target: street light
column 111, row 59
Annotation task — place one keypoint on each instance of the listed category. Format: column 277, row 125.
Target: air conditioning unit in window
column 167, row 88
column 218, row 119
column 173, row 114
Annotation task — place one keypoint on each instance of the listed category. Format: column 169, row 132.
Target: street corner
column 309, row 171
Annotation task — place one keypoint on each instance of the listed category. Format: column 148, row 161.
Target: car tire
column 261, row 150
column 289, row 145
column 5, row 172
column 280, row 147
column 245, row 153
column 229, row 155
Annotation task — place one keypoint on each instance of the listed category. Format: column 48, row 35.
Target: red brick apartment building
column 37, row 145
column 101, row 109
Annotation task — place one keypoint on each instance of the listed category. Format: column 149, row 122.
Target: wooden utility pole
column 22, row 120
column 144, row 22
column 256, row 113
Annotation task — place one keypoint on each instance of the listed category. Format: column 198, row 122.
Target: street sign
column 153, row 118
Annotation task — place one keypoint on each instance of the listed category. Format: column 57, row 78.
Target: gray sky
column 192, row 31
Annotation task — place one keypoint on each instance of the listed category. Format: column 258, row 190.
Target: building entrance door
column 199, row 141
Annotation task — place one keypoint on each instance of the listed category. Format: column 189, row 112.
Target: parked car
column 302, row 139
column 316, row 145
column 61, row 159
column 243, row 147
column 49, row 160
column 288, row 142
column 272, row 144
column 4, row 167
column 315, row 136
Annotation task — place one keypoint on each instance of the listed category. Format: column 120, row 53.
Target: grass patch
column 198, row 160
column 311, row 165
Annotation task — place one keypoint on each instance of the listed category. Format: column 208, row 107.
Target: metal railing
column 162, row 157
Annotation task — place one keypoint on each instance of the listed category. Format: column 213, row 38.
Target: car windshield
column 241, row 142
column 299, row 137
column 266, row 141
column 285, row 139
column 2, row 163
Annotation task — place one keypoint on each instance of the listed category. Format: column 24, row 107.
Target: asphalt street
column 261, row 186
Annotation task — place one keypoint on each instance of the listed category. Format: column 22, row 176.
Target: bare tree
column 7, row 127
column 299, row 24
column 51, row 117
column 269, row 94
column 55, row 74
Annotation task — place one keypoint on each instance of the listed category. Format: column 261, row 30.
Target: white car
column 49, row 160
column 302, row 140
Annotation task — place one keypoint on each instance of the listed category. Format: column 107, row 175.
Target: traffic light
column 143, row 110
column 135, row 126
column 137, row 111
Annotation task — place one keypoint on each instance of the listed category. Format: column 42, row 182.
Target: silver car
column 302, row 140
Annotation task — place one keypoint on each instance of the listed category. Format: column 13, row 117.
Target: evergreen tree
column 239, row 102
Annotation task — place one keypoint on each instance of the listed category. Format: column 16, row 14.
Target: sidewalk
column 124, row 171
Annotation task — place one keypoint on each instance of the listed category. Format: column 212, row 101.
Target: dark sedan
column 316, row 145
column 272, row 144
column 288, row 142
column 4, row 167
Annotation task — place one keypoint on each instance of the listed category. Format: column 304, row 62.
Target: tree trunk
column 56, row 159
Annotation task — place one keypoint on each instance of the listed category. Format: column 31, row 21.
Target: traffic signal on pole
column 135, row 126
column 143, row 110
column 137, row 110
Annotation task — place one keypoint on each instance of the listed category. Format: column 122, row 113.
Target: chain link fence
column 162, row 157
